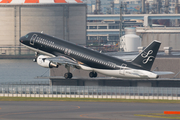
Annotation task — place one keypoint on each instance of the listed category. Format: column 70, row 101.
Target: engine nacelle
column 42, row 61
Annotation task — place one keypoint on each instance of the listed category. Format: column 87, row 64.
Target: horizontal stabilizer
column 163, row 72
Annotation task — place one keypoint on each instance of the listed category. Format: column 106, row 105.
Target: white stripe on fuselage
column 122, row 73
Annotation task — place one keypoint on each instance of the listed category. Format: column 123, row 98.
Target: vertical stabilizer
column 146, row 58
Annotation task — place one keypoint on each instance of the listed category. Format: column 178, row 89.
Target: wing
column 62, row 60
column 163, row 72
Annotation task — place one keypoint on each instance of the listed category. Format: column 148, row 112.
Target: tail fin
column 146, row 58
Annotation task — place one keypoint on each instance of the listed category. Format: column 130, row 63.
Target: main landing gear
column 68, row 75
column 93, row 74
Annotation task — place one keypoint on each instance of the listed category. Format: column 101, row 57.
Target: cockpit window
column 26, row 36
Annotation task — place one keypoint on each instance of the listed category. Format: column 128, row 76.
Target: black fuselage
column 59, row 47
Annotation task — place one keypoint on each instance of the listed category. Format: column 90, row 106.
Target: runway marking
column 172, row 112
column 159, row 115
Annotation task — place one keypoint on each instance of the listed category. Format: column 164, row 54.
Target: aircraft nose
column 21, row 39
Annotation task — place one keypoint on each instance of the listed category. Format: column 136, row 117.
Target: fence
column 46, row 83
column 90, row 92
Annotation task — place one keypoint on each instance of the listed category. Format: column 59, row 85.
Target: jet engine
column 42, row 61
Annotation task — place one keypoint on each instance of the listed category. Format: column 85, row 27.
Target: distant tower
column 176, row 12
column 166, row 6
column 176, row 7
column 125, row 8
column 159, row 5
column 154, row 7
column 147, row 8
column 98, row 7
column 143, row 6
column 112, row 7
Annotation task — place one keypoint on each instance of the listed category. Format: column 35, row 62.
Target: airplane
column 60, row 52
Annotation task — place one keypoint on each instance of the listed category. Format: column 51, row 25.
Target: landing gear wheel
column 95, row 74
column 68, row 75
column 92, row 74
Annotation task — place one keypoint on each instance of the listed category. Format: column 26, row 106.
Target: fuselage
column 87, row 59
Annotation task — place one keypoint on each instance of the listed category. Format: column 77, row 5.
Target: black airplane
column 60, row 52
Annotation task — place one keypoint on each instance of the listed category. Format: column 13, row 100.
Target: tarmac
column 82, row 110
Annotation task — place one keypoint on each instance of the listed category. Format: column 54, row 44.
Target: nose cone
column 21, row 39
column 24, row 40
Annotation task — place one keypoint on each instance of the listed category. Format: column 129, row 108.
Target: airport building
column 57, row 18
column 131, row 6
column 104, row 35
column 169, row 36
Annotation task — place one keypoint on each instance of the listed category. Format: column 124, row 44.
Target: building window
column 112, row 38
column 92, row 27
column 113, row 27
column 102, row 27
column 93, row 37
column 102, row 38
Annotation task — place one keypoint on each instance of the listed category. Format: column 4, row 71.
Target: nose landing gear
column 36, row 55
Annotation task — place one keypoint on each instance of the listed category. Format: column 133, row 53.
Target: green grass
column 85, row 100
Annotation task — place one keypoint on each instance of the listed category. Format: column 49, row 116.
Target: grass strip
column 85, row 100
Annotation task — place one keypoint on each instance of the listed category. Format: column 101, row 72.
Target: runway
column 82, row 110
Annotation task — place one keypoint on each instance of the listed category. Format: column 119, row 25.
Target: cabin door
column 33, row 38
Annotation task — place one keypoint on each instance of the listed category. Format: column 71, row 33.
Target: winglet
column 146, row 58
